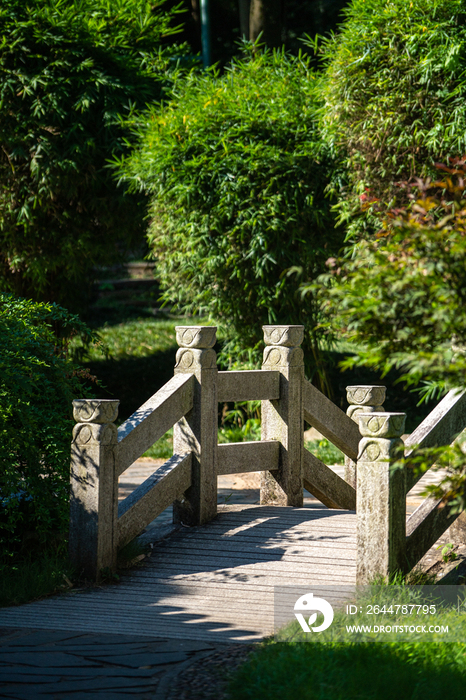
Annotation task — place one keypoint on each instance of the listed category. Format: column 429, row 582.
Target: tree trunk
column 266, row 17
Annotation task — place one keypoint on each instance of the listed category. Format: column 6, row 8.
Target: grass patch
column 138, row 337
column 336, row 671
column 325, row 451
column 34, row 576
column 332, row 666
column 163, row 448
column 134, row 359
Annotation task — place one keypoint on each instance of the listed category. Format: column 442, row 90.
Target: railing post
column 94, row 486
column 197, row 431
column 380, row 497
column 361, row 399
column 458, row 529
column 283, row 419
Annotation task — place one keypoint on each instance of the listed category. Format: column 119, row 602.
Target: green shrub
column 37, row 384
column 326, row 451
column 236, row 170
column 69, row 69
column 400, row 300
column 394, row 96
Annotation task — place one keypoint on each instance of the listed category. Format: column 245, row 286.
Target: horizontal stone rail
column 248, row 385
column 152, row 420
column 254, row 456
column 439, row 429
column 424, row 527
column 323, row 415
column 156, row 493
column 326, row 485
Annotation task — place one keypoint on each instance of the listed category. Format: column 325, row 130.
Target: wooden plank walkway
column 214, row 582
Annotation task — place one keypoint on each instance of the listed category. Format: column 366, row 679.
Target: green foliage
column 37, row 384
column 324, row 450
column 394, row 96
column 448, row 553
column 31, row 576
column 401, row 298
column 139, row 357
column 163, row 448
column 315, row 670
column 70, row 69
column 136, row 337
column 236, row 170
column 240, row 422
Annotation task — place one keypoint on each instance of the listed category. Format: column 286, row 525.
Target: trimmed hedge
column 236, row 170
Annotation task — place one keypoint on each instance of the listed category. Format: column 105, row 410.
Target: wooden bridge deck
column 214, row 582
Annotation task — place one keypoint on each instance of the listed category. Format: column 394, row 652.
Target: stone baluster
column 283, row 419
column 361, row 399
column 197, row 431
column 380, row 496
column 94, row 487
column 457, row 530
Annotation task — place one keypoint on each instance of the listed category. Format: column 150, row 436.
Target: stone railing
column 100, row 525
column 388, row 541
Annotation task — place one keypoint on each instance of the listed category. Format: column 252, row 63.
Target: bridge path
column 214, row 582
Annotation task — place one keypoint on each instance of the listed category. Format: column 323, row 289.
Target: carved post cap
column 365, row 395
column 285, row 336
column 382, row 425
column 95, row 410
column 200, row 337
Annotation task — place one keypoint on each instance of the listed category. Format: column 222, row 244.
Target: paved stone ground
column 36, row 664
column 58, row 665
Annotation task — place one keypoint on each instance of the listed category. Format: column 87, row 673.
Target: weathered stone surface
column 196, row 432
column 370, row 395
column 275, row 357
column 156, row 493
column 286, row 336
column 380, row 499
column 458, row 530
column 424, row 527
column 382, row 425
column 380, row 449
column 188, row 359
column 325, row 485
column 152, row 420
column 283, row 418
column 248, row 385
column 237, row 457
column 353, row 412
column 94, row 488
column 330, row 420
column 95, row 433
column 361, row 399
column 196, row 336
column 95, row 410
